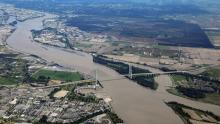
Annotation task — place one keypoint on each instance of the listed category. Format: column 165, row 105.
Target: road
column 69, row 83
column 132, row 102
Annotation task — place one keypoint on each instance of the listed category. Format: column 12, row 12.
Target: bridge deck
column 115, row 78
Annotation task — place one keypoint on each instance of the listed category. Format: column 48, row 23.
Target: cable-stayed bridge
column 130, row 75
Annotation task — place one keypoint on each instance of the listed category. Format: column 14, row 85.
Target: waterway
column 132, row 102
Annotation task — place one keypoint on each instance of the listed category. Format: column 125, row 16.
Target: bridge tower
column 179, row 54
column 130, row 71
column 96, row 77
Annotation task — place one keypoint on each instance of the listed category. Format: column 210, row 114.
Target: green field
column 177, row 79
column 212, row 98
column 7, row 81
column 213, row 72
column 58, row 75
column 82, row 45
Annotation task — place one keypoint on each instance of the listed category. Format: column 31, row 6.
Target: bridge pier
column 96, row 78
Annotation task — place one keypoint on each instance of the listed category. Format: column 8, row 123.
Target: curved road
column 132, row 102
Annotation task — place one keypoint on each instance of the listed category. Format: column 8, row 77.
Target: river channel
column 132, row 102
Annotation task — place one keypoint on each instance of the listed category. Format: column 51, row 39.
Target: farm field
column 58, row 75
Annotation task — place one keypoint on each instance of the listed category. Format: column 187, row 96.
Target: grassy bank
column 7, row 81
column 213, row 72
column 196, row 87
column 212, row 98
column 58, row 75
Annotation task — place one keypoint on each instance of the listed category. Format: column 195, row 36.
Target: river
column 132, row 102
